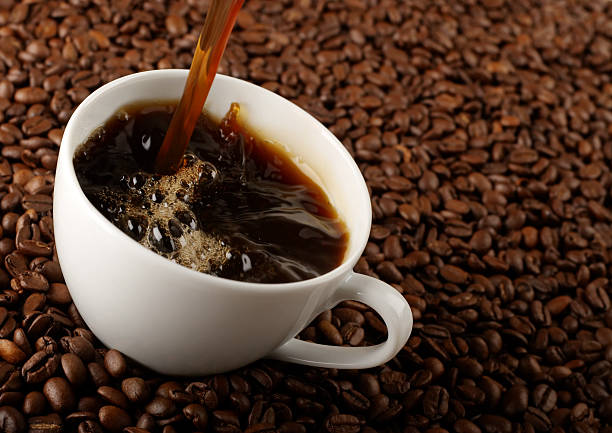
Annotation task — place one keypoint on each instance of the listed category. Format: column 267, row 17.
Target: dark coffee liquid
column 238, row 207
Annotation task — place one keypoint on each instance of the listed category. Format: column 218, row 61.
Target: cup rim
column 67, row 162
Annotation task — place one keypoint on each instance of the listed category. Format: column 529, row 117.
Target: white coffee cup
column 178, row 321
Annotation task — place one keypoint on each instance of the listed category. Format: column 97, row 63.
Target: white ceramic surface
column 178, row 321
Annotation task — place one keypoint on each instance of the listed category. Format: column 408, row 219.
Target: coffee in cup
column 238, row 207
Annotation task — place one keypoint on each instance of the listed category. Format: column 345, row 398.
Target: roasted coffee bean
column 115, row 364
column 544, row 397
column 368, row 384
column 435, row 402
column 113, row 418
column 32, row 280
column 80, row 346
column 197, row 415
column 454, row 274
column 331, row 333
column 90, row 404
column 559, row 304
column 40, row 366
column 538, row 419
column 225, row 420
column 160, row 407
column 342, row 423
column 46, row 344
column 34, row 403
column 352, row 334
column 167, row 388
column 15, row 264
column 605, row 409
column 470, row 367
column 354, row 400
column 113, row 396
column 146, row 422
column 37, row 202
column 135, row 389
column 10, row 352
column 494, row 424
column 291, row 427
column 11, row 420
column 34, row 302
column 58, row 294
column 466, row 426
column 515, row 400
column 394, row 382
column 98, row 374
column 46, row 424
column 30, row 95
column 59, row 394
column 349, row 315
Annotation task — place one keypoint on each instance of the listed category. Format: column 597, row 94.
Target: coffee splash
column 155, row 211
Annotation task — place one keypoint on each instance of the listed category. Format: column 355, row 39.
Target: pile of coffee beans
column 483, row 129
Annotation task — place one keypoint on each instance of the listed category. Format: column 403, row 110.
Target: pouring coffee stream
column 211, row 45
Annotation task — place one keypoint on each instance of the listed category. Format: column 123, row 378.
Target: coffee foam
column 156, row 212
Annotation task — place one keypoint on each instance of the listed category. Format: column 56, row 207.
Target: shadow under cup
column 172, row 319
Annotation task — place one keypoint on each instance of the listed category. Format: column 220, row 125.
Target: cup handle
column 383, row 298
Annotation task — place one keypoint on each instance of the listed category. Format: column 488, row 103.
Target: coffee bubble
column 154, row 210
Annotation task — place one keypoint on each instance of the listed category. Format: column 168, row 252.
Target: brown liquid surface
column 238, row 207
column 215, row 33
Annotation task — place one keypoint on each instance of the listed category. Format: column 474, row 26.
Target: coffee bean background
column 483, row 130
